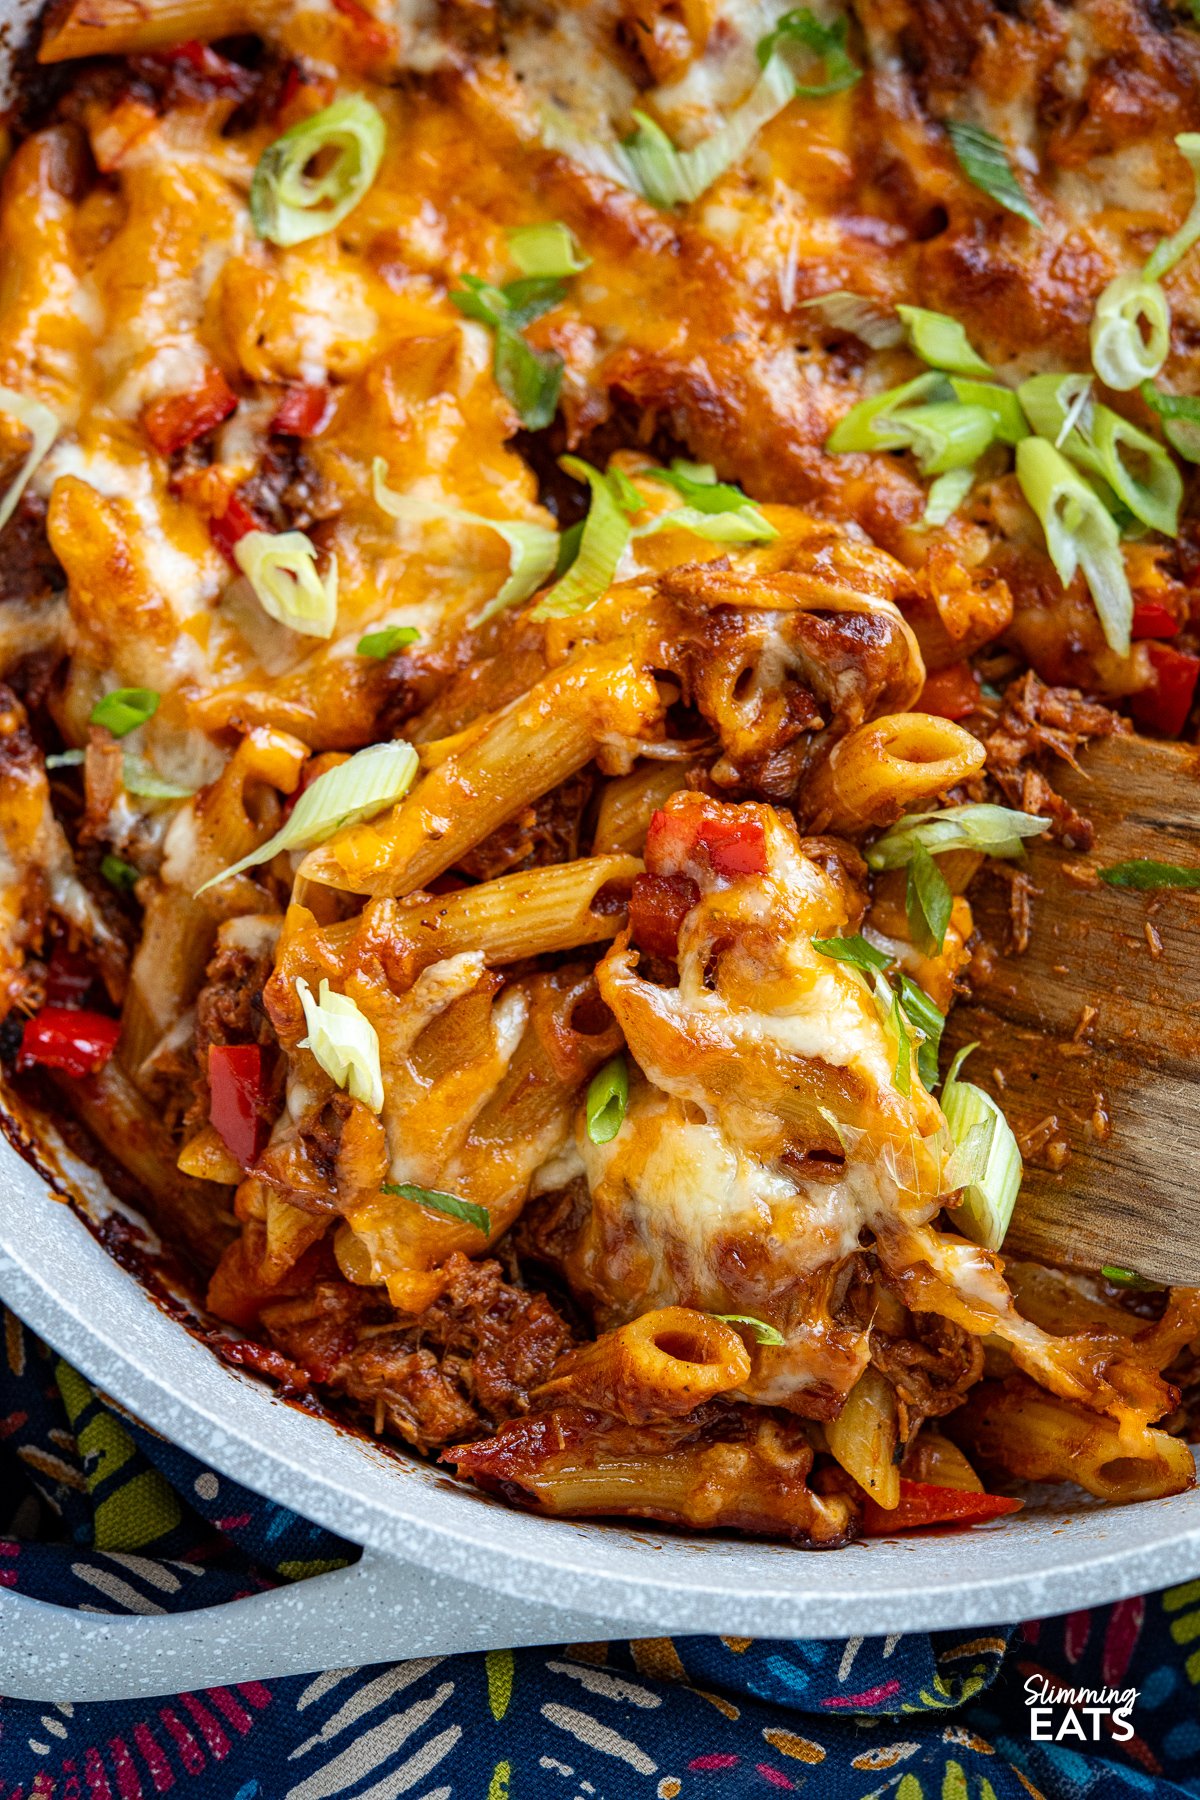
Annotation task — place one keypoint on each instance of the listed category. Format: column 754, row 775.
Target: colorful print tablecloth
column 96, row 1511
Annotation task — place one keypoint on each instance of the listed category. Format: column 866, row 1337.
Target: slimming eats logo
column 1057, row 1713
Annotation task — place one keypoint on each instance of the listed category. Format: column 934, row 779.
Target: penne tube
column 628, row 804
column 124, row 27
column 863, row 1438
column 662, row 1365
column 895, row 765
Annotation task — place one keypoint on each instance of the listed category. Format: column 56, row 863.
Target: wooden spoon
column 1090, row 1040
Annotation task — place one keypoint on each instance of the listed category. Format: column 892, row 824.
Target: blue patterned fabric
column 97, row 1511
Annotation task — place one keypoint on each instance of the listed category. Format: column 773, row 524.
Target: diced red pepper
column 1151, row 619
column 196, row 69
column 950, row 693
column 68, row 1038
column 658, row 906
column 69, row 975
column 237, row 1095
column 180, row 419
column 731, row 843
column 302, row 412
column 233, row 523
column 1164, row 706
column 369, row 32
column 923, row 1504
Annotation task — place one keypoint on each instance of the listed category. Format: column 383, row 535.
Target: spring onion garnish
column 984, row 161
column 65, row 759
column 942, row 342
column 343, row 148
column 43, row 427
column 356, row 790
column 547, row 249
column 450, row 1204
column 993, row 830
column 344, row 1042
column 119, row 873
column 1140, row 872
column 529, row 378
column 887, row 1001
column 1125, row 1277
column 859, row 317
column 927, row 902
column 947, row 493
column 716, row 509
column 386, row 641
column 606, row 532
column 697, row 484
column 1130, row 332
column 946, row 434
column 124, row 710
column 763, row 1333
column 607, row 1098
column 1180, row 415
column 854, row 950
column 1099, row 440
column 991, row 1193
column 281, row 567
column 1180, row 242
column 648, row 163
column 925, row 1018
column 876, row 424
column 532, row 549
column 1005, row 407
column 1080, row 534
column 145, row 783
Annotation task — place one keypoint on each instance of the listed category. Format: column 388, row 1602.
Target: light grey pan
column 446, row 1568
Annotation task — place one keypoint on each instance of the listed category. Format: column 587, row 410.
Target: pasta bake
column 544, row 553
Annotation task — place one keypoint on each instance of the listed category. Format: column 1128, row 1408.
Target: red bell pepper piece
column 950, row 693
column 923, row 1504
column 69, row 975
column 237, row 1092
column 233, row 523
column 302, row 412
column 730, row 843
column 180, row 419
column 1165, row 705
column 68, row 1038
column 658, row 906
column 1151, row 619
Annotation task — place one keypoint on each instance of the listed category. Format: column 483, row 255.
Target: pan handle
column 376, row 1610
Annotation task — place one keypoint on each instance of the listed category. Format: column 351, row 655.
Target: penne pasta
column 895, row 765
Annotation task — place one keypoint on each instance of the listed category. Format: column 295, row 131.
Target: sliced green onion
column 925, row 1018
column 43, row 427
column 119, row 873
column 1080, row 534
column 875, row 424
column 946, row 495
column 145, row 783
column 994, row 830
column 532, row 549
column 1130, row 332
column 281, row 567
column 1180, row 415
column 1140, row 872
column 799, row 31
column 928, row 902
column 698, row 485
column 356, row 790
column 517, row 304
column 1180, row 242
column 450, row 1204
column 607, row 1098
column 606, row 533
column 888, row 1002
column 859, row 317
column 946, row 434
column 344, row 1042
column 1126, row 1277
column 854, row 950
column 763, row 1333
column 531, row 379
column 984, row 161
column 942, row 342
column 1005, row 407
column 746, row 526
column 547, row 249
column 288, row 205
column 65, row 759
column 989, row 1198
column 1137, row 469
column 124, row 710
column 386, row 641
